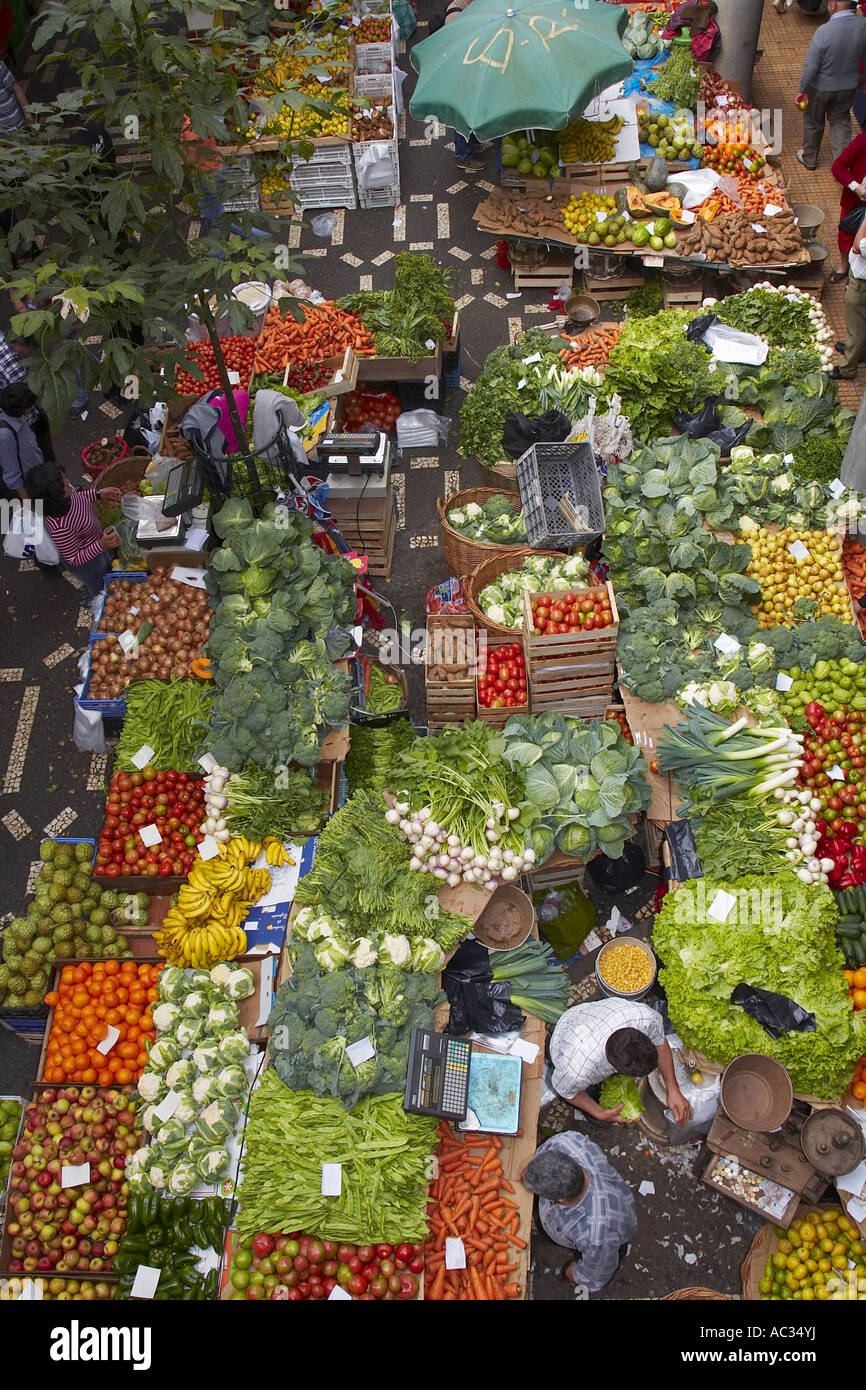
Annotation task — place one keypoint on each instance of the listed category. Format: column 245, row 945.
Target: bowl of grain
column 507, row 920
column 626, row 967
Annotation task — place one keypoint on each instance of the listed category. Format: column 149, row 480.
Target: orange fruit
column 859, row 1090
column 105, row 1077
column 52, row 999
column 112, row 967
column 860, row 999
column 859, row 980
column 849, row 976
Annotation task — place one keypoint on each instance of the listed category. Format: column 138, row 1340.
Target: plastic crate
column 117, row 708
column 373, row 84
column 138, row 576
column 326, row 198
column 545, row 473
column 326, row 157
column 373, row 57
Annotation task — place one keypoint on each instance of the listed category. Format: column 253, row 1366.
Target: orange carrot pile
column 592, row 347
column 755, row 196
column 470, row 1200
column 325, row 331
column 718, row 202
column 854, row 565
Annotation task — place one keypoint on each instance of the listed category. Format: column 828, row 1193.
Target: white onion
column 466, row 854
column 432, row 827
column 392, row 817
column 508, row 856
column 805, row 876
column 481, row 861
column 440, row 873
column 826, row 865
column 792, row 842
column 454, row 841
column 509, row 873
column 529, row 856
column 223, row 836
column 786, row 817
column 452, row 880
column 513, row 813
column 415, row 865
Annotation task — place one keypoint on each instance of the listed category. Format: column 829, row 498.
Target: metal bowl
column 522, row 912
column 756, row 1092
column 618, row 993
column 582, row 309
column 818, row 251
column 809, row 218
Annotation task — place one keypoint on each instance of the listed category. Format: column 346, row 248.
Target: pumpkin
column 656, row 175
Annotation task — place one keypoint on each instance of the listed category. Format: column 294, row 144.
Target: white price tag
column 756, row 227
column 167, row 1107
column 149, row 836
column 338, row 1294
column 332, row 1179
column 521, row 383
column 515, row 294
column 430, row 345
column 208, row 762
column 126, row 641
column 143, row 756
column 74, row 1174
column 133, row 611
column 356, row 21
column 788, row 459
column 651, row 261
column 798, row 550
column 155, row 597
column 747, row 164
column 836, row 774
column 528, row 361
column 193, row 577
column 687, row 216
column 208, row 849
column 361, row 1051
column 770, row 210
column 600, row 215
column 234, row 378
column 455, row 1254
column 722, row 100
column 783, row 682
column 31, row 1292
column 727, row 645
column 109, row 1040
column 837, row 487
column 145, row 1283
column 527, row 1050
column 721, row 907
column 322, row 77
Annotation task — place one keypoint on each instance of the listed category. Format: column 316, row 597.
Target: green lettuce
column 621, row 1090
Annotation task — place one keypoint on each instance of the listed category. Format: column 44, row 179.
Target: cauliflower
column 180, row 1074
column 183, row 1179
column 221, row 973
column 782, row 483
column 204, row 1089
column 748, row 526
column 496, row 613
column 472, row 510
column 427, row 955
column 234, row 1047
column 156, row 1176
column 189, row 1031
column 206, row 1057
column 150, row 1121
column 151, row 1087
column 222, row 1018
column 240, row 983
column 365, row 954
column 196, row 1003
column 457, row 516
column 165, row 1016
column 396, row 949
column 761, row 657
column 331, row 955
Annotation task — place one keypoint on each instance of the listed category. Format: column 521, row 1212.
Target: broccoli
column 805, row 609
column 329, row 1023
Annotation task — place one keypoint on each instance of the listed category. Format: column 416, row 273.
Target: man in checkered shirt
column 584, row 1205
column 12, row 371
column 592, row 1042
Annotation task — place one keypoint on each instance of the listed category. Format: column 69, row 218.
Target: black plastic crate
column 545, row 473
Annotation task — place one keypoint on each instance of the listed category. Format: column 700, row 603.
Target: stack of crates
column 374, row 62
column 384, row 195
column 327, row 180
column 242, row 189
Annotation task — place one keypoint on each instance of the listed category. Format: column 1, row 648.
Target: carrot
column 512, row 1291
column 506, row 1186
column 491, row 1293
column 449, row 1297
column 521, row 1244
column 478, row 1285
column 489, row 1259
column 437, row 1288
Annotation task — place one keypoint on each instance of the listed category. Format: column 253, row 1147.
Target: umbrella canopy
column 503, row 65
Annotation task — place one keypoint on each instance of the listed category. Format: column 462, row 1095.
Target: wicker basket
column 127, row 470
column 695, row 1295
column 488, row 571
column 506, row 470
column 95, row 469
column 764, row 1244
column 461, row 553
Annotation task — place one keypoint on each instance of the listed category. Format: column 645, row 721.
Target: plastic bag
column 565, row 916
column 522, row 431
column 733, row 345
column 776, row 1013
column 703, row 1096
column 618, row 875
column 419, row 428
column 128, row 552
column 685, row 863
column 477, row 1003
column 88, row 730
column 323, row 225
column 699, row 424
column 446, row 598
column 375, row 167
column 730, row 436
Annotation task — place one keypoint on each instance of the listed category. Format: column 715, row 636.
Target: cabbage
column 234, row 1047
column 621, row 1090
column 232, row 1081
column 427, row 955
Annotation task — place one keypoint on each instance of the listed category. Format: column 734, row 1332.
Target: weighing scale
column 355, row 462
column 447, row 1078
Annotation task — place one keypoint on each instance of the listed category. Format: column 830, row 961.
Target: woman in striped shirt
column 70, row 520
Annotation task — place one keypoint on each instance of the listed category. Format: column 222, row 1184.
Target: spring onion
column 539, row 985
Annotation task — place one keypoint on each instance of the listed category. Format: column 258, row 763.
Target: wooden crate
column 552, row 273
column 675, row 298
column 607, row 290
column 449, row 703
column 568, row 648
column 558, row 869
column 373, row 537
column 573, row 672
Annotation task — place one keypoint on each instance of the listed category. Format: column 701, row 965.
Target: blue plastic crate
column 138, row 576
column 109, row 707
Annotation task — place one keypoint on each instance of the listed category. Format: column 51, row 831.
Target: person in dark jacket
column 829, row 80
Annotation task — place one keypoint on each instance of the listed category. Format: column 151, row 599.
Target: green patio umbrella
column 503, row 65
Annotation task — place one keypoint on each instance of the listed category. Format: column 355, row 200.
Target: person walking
column 69, row 517
column 19, row 450
column 14, row 373
column 465, row 149
column 584, row 1205
column 854, row 347
column 829, row 80
column 13, row 103
column 849, row 170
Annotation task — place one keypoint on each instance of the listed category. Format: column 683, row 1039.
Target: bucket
column 508, row 906
column 605, row 951
column 756, row 1092
column 809, row 218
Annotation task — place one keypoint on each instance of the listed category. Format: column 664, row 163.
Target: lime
column 240, row 1278
column 243, row 1259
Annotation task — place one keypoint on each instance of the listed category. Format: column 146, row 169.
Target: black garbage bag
column 700, row 424
column 776, row 1013
column 618, row 875
column 698, row 327
column 478, row 1004
column 729, row 436
column 685, row 863
column 522, row 431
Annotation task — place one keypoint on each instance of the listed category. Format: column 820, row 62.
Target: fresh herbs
column 372, row 751
column 779, row 936
column 419, row 309
column 170, row 717
column 495, row 395
column 285, row 804
column 656, row 370
column 780, row 318
column 679, row 79
column 740, row 837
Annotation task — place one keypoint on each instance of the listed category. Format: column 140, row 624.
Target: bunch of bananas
column 204, row 926
column 275, row 853
column 589, row 142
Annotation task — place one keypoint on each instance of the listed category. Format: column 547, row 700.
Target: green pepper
column 133, row 1213
column 155, row 1237
column 181, row 1207
column 169, row 1288
column 210, row 1284
column 183, row 1236
column 214, row 1238
column 150, row 1203
column 821, row 669
column 166, row 1214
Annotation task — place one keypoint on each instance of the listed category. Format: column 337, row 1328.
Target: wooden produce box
column 558, row 869
column 369, row 526
column 450, row 702
column 606, row 291
column 400, row 368
column 571, row 672
column 344, row 373
column 780, row 1218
